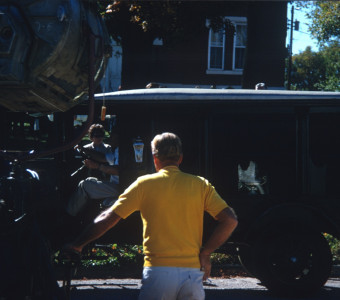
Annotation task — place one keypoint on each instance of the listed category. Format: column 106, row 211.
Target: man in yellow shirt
column 172, row 205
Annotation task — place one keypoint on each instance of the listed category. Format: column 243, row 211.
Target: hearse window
column 324, row 154
column 255, row 154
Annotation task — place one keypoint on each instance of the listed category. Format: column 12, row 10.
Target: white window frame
column 237, row 21
column 211, row 32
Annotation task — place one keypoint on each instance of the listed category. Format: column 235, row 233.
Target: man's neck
column 165, row 164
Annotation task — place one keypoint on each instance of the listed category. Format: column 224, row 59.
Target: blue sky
column 301, row 38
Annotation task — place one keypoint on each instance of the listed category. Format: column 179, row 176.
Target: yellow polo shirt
column 172, row 205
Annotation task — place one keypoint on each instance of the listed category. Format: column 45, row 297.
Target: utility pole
column 289, row 70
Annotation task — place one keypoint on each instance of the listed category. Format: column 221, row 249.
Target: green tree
column 317, row 71
column 325, row 20
column 331, row 55
column 307, row 70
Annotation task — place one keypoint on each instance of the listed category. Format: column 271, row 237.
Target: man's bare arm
column 227, row 224
column 103, row 223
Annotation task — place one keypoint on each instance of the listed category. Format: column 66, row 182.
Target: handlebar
column 69, row 257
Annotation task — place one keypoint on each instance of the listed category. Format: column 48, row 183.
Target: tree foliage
column 317, row 71
column 325, row 17
column 169, row 20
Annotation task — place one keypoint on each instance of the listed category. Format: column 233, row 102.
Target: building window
column 216, row 49
column 240, row 40
column 226, row 53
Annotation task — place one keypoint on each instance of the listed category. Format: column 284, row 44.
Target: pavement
column 133, row 284
column 128, row 289
column 236, row 287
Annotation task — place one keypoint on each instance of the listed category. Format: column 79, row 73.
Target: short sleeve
column 112, row 157
column 214, row 203
column 128, row 202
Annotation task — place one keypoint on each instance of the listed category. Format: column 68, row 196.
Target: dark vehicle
column 273, row 155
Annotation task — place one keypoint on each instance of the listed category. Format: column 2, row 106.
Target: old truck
column 272, row 154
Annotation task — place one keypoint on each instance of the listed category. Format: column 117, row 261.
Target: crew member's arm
column 104, row 222
column 107, row 169
column 227, row 222
column 93, row 154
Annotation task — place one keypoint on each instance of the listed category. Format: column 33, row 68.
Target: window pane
column 239, row 57
column 216, row 57
column 239, row 139
column 241, row 35
column 216, row 38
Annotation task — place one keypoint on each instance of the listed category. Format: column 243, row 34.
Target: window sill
column 224, row 72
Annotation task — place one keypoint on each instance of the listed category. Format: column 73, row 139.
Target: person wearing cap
column 103, row 180
column 171, row 204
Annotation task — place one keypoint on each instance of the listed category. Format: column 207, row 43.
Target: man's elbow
column 233, row 222
column 229, row 218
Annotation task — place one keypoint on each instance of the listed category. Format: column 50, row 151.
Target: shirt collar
column 170, row 168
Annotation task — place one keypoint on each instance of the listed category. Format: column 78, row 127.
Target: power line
column 304, row 32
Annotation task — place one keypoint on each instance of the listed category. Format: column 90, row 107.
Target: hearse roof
column 219, row 95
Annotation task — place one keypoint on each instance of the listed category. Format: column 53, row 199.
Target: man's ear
column 156, row 162
column 180, row 159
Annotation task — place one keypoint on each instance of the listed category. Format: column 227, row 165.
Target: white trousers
column 172, row 283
